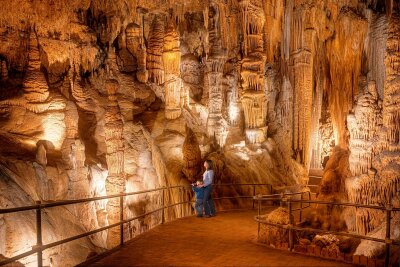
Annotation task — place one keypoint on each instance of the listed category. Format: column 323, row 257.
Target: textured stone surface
column 95, row 97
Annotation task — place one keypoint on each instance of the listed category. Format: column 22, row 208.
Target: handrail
column 40, row 247
column 290, row 227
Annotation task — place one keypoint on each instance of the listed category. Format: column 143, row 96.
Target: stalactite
column 136, row 46
column 391, row 100
column 35, row 84
column 173, row 82
column 115, row 182
column 351, row 30
column 155, row 51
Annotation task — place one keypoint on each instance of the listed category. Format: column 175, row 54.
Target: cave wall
column 102, row 97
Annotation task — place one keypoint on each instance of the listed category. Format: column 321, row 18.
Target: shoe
column 199, row 216
column 207, row 216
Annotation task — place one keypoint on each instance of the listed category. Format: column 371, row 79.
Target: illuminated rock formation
column 216, row 124
column 95, row 97
column 173, row 83
column 252, row 71
column 34, row 84
column 155, row 51
column 362, row 127
column 191, row 156
column 115, row 182
column 136, row 46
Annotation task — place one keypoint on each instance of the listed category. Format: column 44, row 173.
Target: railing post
column 163, row 207
column 301, row 205
column 39, row 242
column 254, row 194
column 388, row 241
column 121, row 218
column 290, row 224
column 258, row 217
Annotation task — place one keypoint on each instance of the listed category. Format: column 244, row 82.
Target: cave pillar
column 216, row 124
column 173, row 83
column 252, row 72
column 115, row 182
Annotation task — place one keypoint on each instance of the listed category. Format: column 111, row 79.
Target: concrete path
column 225, row 240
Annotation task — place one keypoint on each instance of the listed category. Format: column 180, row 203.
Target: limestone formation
column 173, row 84
column 95, row 98
column 35, row 84
column 155, row 51
column 191, row 156
column 115, row 183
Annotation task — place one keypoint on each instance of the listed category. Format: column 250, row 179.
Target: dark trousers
column 199, row 207
column 209, row 207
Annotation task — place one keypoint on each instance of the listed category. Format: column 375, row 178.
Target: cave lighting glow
column 233, row 112
column 54, row 129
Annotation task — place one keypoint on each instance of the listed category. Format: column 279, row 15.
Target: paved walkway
column 225, row 240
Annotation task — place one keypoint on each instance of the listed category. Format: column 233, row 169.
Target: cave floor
column 225, row 240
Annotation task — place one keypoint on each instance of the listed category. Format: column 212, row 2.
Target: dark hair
column 209, row 164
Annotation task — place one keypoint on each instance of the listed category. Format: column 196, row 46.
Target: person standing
column 208, row 179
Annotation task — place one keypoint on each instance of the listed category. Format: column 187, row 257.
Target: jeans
column 209, row 207
column 199, row 207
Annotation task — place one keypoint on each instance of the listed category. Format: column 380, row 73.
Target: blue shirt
column 208, row 177
column 199, row 192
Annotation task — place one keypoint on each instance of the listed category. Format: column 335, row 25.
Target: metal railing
column 291, row 227
column 39, row 206
column 242, row 197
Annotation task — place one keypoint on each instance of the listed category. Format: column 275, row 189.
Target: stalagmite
column 115, row 182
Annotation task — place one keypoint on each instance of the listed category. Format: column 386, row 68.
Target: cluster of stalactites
column 174, row 94
column 252, row 71
column 253, row 19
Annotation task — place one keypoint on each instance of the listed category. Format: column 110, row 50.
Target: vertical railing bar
column 121, row 219
column 254, row 194
column 258, row 217
column 301, row 205
column 39, row 242
column 289, row 203
column 163, row 207
column 387, row 238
